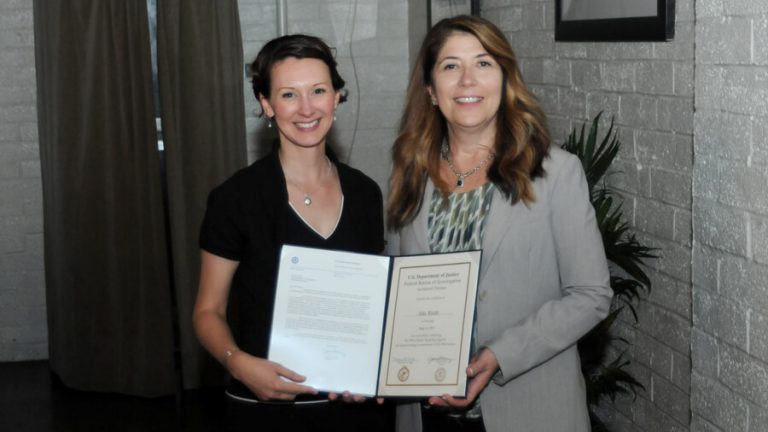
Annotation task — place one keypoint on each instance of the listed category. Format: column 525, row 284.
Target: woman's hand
column 352, row 398
column 347, row 397
column 481, row 368
column 266, row 379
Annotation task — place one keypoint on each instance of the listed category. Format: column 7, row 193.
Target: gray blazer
column 544, row 283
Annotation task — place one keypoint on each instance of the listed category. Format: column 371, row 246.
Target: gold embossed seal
column 440, row 374
column 403, row 374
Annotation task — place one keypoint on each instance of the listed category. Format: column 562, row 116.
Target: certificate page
column 429, row 324
column 328, row 315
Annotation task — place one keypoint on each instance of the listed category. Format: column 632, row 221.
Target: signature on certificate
column 439, row 360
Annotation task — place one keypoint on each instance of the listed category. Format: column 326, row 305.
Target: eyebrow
column 484, row 54
column 321, row 83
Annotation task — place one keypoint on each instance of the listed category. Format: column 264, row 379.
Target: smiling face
column 301, row 101
column 466, row 83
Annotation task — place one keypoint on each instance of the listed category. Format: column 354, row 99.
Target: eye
column 319, row 91
column 485, row 63
column 287, row 95
column 450, row 66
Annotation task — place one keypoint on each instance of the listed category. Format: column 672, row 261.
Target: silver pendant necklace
column 308, row 195
column 460, row 176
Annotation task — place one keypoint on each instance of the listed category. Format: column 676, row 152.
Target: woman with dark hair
column 299, row 194
column 473, row 168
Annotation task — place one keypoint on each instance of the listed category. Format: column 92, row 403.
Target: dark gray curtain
column 107, row 282
column 200, row 67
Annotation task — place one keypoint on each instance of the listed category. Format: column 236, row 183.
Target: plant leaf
column 606, row 380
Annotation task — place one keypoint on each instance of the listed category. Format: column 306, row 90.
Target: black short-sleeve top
column 248, row 218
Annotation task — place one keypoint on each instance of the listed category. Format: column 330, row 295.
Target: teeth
column 307, row 125
column 468, row 99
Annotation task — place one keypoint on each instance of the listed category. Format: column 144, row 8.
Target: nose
column 467, row 77
column 305, row 107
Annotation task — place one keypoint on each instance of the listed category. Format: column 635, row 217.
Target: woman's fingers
column 347, row 397
column 287, row 373
column 480, row 371
column 270, row 380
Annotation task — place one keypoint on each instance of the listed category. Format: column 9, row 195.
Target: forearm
column 214, row 334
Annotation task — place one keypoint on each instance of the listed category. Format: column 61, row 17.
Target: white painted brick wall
column 23, row 329
column 730, row 289
column 447, row 8
column 649, row 87
column 258, row 24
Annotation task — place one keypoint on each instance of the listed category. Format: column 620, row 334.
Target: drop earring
column 269, row 123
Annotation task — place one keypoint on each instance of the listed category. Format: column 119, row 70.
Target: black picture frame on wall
column 591, row 20
column 439, row 9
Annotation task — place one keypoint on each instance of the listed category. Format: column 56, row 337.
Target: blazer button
column 483, row 294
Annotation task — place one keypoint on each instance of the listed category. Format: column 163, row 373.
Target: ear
column 337, row 100
column 432, row 95
column 265, row 106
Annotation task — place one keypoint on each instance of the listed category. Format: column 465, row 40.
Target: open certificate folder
column 376, row 325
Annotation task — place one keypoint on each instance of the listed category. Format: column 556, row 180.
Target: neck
column 303, row 164
column 471, row 144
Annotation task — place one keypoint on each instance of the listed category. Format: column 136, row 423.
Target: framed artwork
column 439, row 9
column 614, row 20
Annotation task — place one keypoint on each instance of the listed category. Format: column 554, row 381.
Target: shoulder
column 561, row 165
column 355, row 180
column 259, row 178
column 563, row 175
column 559, row 159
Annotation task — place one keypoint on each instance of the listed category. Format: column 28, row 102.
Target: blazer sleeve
column 584, row 279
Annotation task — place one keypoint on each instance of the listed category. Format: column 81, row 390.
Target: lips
column 307, row 125
column 468, row 99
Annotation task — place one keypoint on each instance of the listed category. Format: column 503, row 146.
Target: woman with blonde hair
column 473, row 168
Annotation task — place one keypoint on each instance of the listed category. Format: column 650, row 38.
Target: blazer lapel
column 500, row 219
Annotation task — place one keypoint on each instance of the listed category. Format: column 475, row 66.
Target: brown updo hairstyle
column 298, row 46
column 522, row 139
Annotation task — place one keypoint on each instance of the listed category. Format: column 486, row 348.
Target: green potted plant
column 607, row 377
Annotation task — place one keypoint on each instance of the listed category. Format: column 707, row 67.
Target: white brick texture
column 23, row 330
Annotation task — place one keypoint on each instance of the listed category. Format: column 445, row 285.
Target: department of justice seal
column 440, row 374
column 403, row 374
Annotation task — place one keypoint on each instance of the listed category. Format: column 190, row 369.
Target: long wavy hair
column 522, row 139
